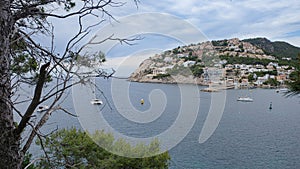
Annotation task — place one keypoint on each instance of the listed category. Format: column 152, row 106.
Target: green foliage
column 179, row 70
column 197, row 70
column 220, row 43
column 191, row 58
column 214, row 43
column 283, row 49
column 157, row 60
column 175, row 51
column 88, row 60
column 294, row 86
column 23, row 63
column 263, row 43
column 68, row 4
column 289, row 68
column 272, row 82
column 245, row 60
column 251, row 78
column 147, row 71
column 26, row 161
column 261, row 74
column 241, row 46
column 161, row 76
column 288, row 62
column 67, row 148
column 19, row 45
column 277, row 49
column 293, row 76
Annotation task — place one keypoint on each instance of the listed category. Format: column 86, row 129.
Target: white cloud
column 217, row 19
column 124, row 66
column 225, row 18
column 147, row 23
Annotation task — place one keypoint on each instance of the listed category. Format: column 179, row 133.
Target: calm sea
column 249, row 135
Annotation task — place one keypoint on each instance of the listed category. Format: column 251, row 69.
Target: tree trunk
column 9, row 143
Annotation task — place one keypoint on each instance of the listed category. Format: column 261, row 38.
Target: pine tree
column 294, row 87
column 23, row 61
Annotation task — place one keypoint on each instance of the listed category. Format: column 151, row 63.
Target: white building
column 229, row 66
column 162, row 70
column 260, row 80
column 181, row 55
column 189, row 63
column 168, row 59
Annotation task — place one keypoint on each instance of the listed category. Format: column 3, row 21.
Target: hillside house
column 229, row 66
column 189, row 63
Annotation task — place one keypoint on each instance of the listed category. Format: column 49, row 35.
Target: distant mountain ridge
column 278, row 49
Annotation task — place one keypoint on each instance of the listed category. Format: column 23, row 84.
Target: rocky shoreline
column 178, row 79
column 204, row 84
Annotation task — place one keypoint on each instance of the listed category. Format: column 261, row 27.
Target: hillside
column 196, row 63
column 277, row 49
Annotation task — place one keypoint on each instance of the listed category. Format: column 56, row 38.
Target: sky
column 220, row 19
column 277, row 20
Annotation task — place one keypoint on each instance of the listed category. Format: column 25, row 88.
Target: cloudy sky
column 277, row 20
column 218, row 19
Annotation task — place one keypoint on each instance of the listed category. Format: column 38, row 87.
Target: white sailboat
column 42, row 108
column 96, row 102
column 245, row 99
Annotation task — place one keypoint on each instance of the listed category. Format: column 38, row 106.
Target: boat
column 142, row 101
column 245, row 99
column 42, row 108
column 252, row 87
column 209, row 90
column 96, row 102
column 283, row 89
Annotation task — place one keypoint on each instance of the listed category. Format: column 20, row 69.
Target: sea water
column 249, row 135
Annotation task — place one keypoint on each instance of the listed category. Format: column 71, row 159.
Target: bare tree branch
column 35, row 101
column 34, row 132
column 43, row 148
column 29, row 20
column 32, row 162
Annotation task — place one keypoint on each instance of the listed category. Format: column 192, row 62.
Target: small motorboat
column 245, row 99
column 42, row 108
column 96, row 102
column 284, row 90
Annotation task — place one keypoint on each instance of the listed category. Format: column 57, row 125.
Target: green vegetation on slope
column 277, row 49
column 245, row 60
column 253, row 61
column 294, row 86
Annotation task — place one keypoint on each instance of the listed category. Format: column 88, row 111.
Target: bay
column 249, row 135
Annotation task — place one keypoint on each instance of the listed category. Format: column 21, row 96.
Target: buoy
column 270, row 107
column 142, row 101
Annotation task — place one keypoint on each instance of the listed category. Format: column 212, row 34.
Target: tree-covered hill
column 277, row 48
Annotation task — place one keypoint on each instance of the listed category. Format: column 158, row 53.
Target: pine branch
column 35, row 101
